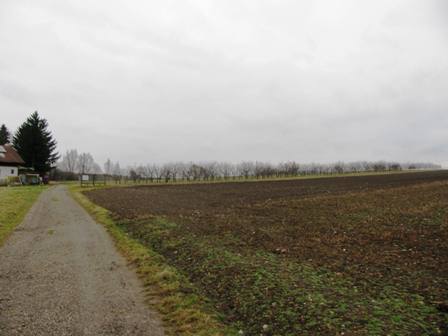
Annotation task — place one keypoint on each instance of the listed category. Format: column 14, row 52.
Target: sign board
column 85, row 177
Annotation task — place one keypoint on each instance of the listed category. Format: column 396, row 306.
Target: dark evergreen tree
column 35, row 144
column 4, row 135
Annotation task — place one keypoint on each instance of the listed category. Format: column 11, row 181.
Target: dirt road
column 61, row 275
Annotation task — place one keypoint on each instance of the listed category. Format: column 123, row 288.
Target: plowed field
column 365, row 255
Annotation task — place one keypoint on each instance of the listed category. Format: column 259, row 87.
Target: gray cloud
column 147, row 81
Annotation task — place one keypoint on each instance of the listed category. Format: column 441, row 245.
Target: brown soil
column 186, row 199
column 388, row 230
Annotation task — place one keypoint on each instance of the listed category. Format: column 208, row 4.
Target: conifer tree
column 4, row 135
column 35, row 144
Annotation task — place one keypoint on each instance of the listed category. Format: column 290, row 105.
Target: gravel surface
column 61, row 275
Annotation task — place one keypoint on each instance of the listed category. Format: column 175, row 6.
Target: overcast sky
column 157, row 81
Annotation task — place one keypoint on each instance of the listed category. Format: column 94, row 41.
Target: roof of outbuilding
column 9, row 155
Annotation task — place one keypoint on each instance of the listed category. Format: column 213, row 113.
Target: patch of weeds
column 264, row 293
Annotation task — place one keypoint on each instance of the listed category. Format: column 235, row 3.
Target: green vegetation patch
column 268, row 294
column 14, row 204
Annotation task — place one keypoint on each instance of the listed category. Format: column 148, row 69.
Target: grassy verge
column 184, row 311
column 14, row 204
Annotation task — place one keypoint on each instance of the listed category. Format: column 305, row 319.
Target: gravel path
column 61, row 275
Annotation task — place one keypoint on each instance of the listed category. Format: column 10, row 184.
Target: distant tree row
column 259, row 170
column 74, row 164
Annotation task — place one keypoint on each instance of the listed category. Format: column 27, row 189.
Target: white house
column 10, row 161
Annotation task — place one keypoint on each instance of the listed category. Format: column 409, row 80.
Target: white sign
column 85, row 177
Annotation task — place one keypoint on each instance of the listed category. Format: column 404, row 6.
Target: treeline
column 209, row 171
column 73, row 164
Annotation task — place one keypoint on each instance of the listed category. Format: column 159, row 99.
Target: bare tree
column 246, row 169
column 196, row 172
column 69, row 161
column 108, row 167
column 96, row 168
column 225, row 170
column 116, row 170
column 157, row 171
column 210, row 170
column 167, row 172
column 85, row 163
column 148, row 172
column 134, row 175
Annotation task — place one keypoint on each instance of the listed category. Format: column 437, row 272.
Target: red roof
column 9, row 155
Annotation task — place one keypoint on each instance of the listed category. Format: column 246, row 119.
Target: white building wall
column 8, row 171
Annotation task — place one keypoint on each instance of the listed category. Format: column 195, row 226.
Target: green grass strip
column 15, row 202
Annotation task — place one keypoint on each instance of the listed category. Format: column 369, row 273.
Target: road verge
column 184, row 312
column 15, row 202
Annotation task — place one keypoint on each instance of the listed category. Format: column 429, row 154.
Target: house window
column 12, row 171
